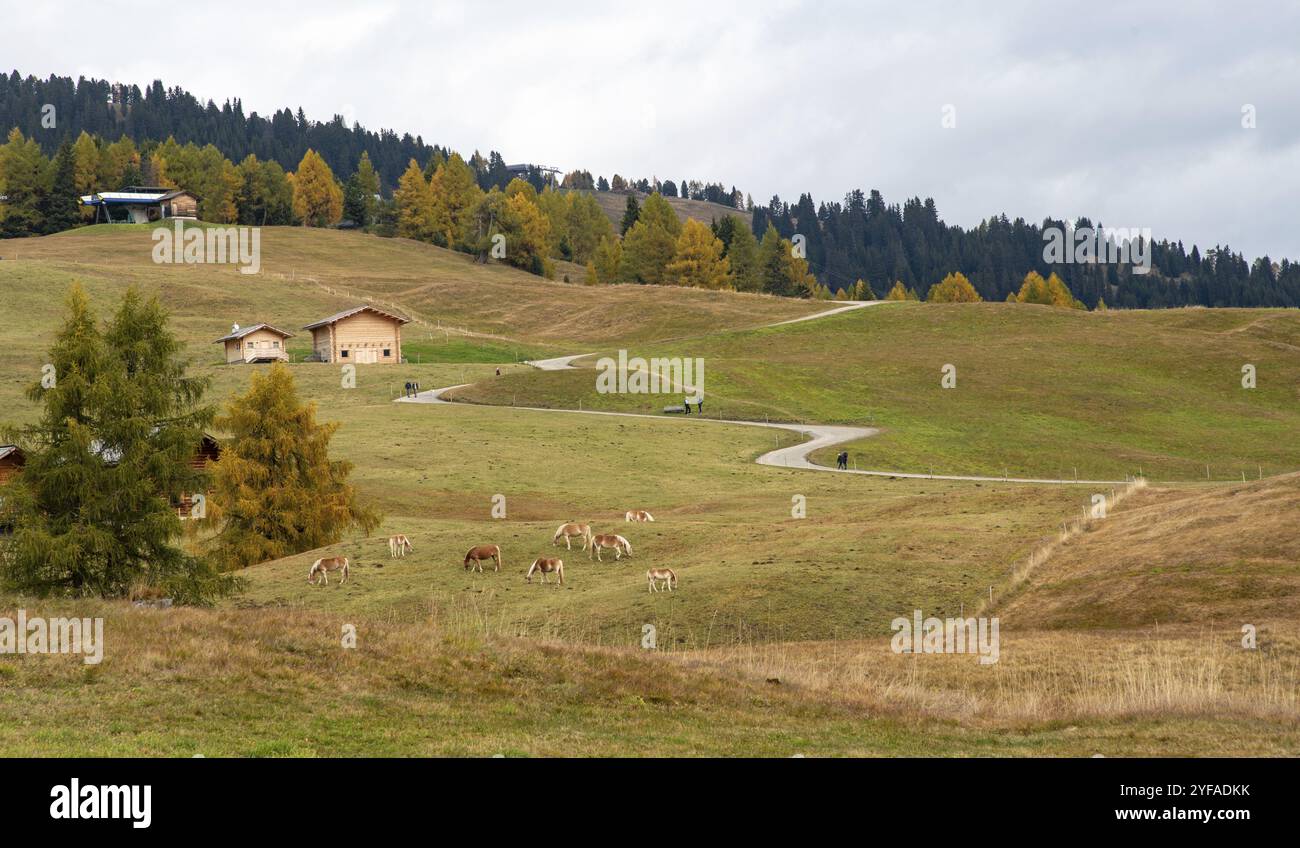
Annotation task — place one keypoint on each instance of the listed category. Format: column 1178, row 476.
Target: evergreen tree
column 60, row 207
column 631, row 213
column 742, row 254
column 110, row 454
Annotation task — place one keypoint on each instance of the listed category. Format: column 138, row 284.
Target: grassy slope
column 438, row 671
column 277, row 683
column 1222, row 556
column 1039, row 391
column 307, row 271
column 614, row 205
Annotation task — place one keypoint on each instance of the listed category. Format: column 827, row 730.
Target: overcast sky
column 1130, row 113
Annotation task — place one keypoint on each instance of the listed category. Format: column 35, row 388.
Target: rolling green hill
column 777, row 640
column 1039, row 392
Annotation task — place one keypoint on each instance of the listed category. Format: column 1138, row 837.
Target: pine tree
column 276, row 491
column 60, row 208
column 631, row 212
column 742, row 254
column 368, row 183
column 108, row 457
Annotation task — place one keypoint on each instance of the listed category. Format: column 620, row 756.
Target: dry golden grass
column 1045, row 676
column 439, row 288
column 1226, row 553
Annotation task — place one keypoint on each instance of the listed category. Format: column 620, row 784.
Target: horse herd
column 657, row 579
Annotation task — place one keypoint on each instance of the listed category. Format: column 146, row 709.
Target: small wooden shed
column 360, row 335
column 257, row 343
column 12, row 459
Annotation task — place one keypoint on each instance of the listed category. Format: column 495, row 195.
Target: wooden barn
column 142, row 204
column 361, row 335
column 256, row 343
column 12, row 460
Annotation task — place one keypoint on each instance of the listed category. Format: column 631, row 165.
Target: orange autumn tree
column 954, row 288
column 698, row 260
column 317, row 197
column 276, row 491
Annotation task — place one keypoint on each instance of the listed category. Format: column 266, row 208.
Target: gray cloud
column 1128, row 113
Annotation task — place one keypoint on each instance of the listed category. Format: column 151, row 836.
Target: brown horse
column 571, row 530
column 321, row 568
column 620, row 546
column 665, row 576
column 637, row 515
column 545, row 566
column 477, row 554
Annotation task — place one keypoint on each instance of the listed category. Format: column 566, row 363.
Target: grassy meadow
column 1121, row 638
column 1039, row 392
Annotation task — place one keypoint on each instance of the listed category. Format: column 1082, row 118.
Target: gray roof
column 243, row 331
column 7, row 450
column 339, row 316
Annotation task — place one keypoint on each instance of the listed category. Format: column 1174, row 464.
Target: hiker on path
column 686, row 405
column 843, row 460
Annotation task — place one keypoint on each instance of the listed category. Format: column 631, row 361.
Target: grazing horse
column 637, row 515
column 620, row 545
column 398, row 545
column 571, row 530
column 665, row 575
column 321, row 568
column 545, row 566
column 477, row 554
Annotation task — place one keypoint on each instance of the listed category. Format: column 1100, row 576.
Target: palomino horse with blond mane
column 572, row 531
column 637, row 515
column 318, row 574
column 545, row 566
column 665, row 576
column 479, row 553
column 617, row 543
column 398, row 545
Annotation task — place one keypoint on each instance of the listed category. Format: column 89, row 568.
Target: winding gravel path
column 795, row 456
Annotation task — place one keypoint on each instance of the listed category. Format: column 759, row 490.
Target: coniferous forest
column 861, row 246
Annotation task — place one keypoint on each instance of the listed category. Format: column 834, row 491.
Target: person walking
column 699, row 404
column 843, row 460
column 686, row 405
column 408, row 388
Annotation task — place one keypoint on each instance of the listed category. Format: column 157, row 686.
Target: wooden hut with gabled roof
column 257, row 343
column 360, row 335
